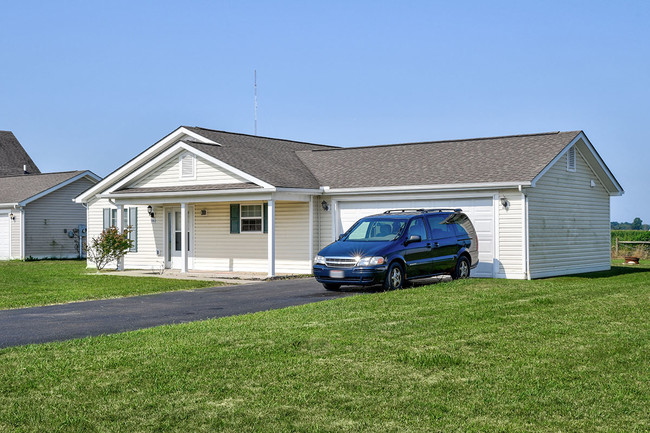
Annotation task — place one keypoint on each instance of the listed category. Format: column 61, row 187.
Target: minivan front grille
column 341, row 262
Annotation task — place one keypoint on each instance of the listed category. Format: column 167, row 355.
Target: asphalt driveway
column 108, row 316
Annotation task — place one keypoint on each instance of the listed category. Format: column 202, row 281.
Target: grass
column 26, row 284
column 555, row 355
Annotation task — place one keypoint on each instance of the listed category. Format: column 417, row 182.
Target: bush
column 109, row 246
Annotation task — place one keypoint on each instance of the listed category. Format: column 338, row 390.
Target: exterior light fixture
column 12, row 216
column 505, row 202
column 325, row 205
column 150, row 211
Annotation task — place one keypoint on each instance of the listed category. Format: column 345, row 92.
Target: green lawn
column 26, row 284
column 555, row 355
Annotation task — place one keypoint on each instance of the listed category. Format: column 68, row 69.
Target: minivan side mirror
column 341, row 236
column 413, row 238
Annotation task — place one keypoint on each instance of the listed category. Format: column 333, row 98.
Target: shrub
column 109, row 246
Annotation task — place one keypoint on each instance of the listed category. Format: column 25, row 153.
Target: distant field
column 26, row 284
column 565, row 354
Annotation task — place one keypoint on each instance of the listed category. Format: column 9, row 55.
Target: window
column 187, row 164
column 130, row 221
column 417, row 228
column 439, row 228
column 376, row 230
column 251, row 218
column 571, row 159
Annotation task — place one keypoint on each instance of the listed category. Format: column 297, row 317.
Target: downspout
column 526, row 246
column 22, row 233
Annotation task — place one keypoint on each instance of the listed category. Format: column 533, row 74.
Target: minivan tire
column 394, row 277
column 332, row 287
column 462, row 269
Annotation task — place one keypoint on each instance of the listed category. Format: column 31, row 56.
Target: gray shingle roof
column 13, row 156
column 213, row 187
column 15, row 189
column 516, row 158
column 270, row 159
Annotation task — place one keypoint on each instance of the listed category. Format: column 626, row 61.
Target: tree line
column 637, row 224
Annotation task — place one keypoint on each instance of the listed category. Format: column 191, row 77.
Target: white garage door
column 479, row 210
column 5, row 241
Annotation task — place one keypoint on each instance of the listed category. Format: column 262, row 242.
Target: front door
column 173, row 244
column 417, row 254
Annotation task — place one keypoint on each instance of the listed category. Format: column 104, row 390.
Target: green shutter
column 107, row 218
column 266, row 218
column 234, row 218
column 133, row 222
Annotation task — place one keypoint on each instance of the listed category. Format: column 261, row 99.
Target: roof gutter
column 184, row 193
column 425, row 188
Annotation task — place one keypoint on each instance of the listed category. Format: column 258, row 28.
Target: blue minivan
column 397, row 246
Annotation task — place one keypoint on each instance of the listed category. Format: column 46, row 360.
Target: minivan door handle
column 436, row 245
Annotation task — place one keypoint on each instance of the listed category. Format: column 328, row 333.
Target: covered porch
column 269, row 232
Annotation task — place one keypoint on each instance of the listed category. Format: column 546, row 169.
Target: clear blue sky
column 89, row 84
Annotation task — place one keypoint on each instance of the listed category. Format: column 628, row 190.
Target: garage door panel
column 479, row 211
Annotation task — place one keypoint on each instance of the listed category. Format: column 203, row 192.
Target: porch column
column 183, row 237
column 120, row 228
column 271, row 236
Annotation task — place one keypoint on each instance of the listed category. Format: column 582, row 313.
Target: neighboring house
column 38, row 217
column 211, row 200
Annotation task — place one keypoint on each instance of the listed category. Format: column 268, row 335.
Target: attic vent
column 187, row 166
column 571, row 159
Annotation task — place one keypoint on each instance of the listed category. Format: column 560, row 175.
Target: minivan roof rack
column 391, row 211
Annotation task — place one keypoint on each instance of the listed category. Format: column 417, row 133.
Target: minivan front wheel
column 394, row 277
column 462, row 269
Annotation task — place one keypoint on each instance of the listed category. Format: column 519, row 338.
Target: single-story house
column 201, row 199
column 38, row 217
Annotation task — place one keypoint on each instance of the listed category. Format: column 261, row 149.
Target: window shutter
column 234, row 218
column 107, row 218
column 266, row 218
column 133, row 222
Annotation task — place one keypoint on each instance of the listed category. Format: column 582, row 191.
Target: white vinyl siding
column 16, row 235
column 218, row 249
column 322, row 223
column 47, row 217
column 511, row 236
column 5, row 235
column 569, row 224
column 168, row 174
column 150, row 234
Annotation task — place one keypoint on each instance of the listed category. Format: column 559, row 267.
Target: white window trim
column 571, row 151
column 180, row 166
column 242, row 218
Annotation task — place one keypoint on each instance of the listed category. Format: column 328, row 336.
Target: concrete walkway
column 83, row 319
column 221, row 276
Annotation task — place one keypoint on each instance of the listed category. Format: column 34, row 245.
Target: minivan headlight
column 319, row 260
column 371, row 261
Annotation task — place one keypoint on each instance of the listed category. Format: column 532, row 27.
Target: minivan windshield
column 385, row 229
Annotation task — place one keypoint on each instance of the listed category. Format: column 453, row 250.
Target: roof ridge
column 43, row 174
column 262, row 136
column 449, row 141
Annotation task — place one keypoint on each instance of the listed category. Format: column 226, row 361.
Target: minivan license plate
column 337, row 274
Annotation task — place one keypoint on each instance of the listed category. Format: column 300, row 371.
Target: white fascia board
column 427, row 188
column 135, row 162
column 9, row 206
column 603, row 167
column 86, row 173
column 162, row 200
column 181, row 194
